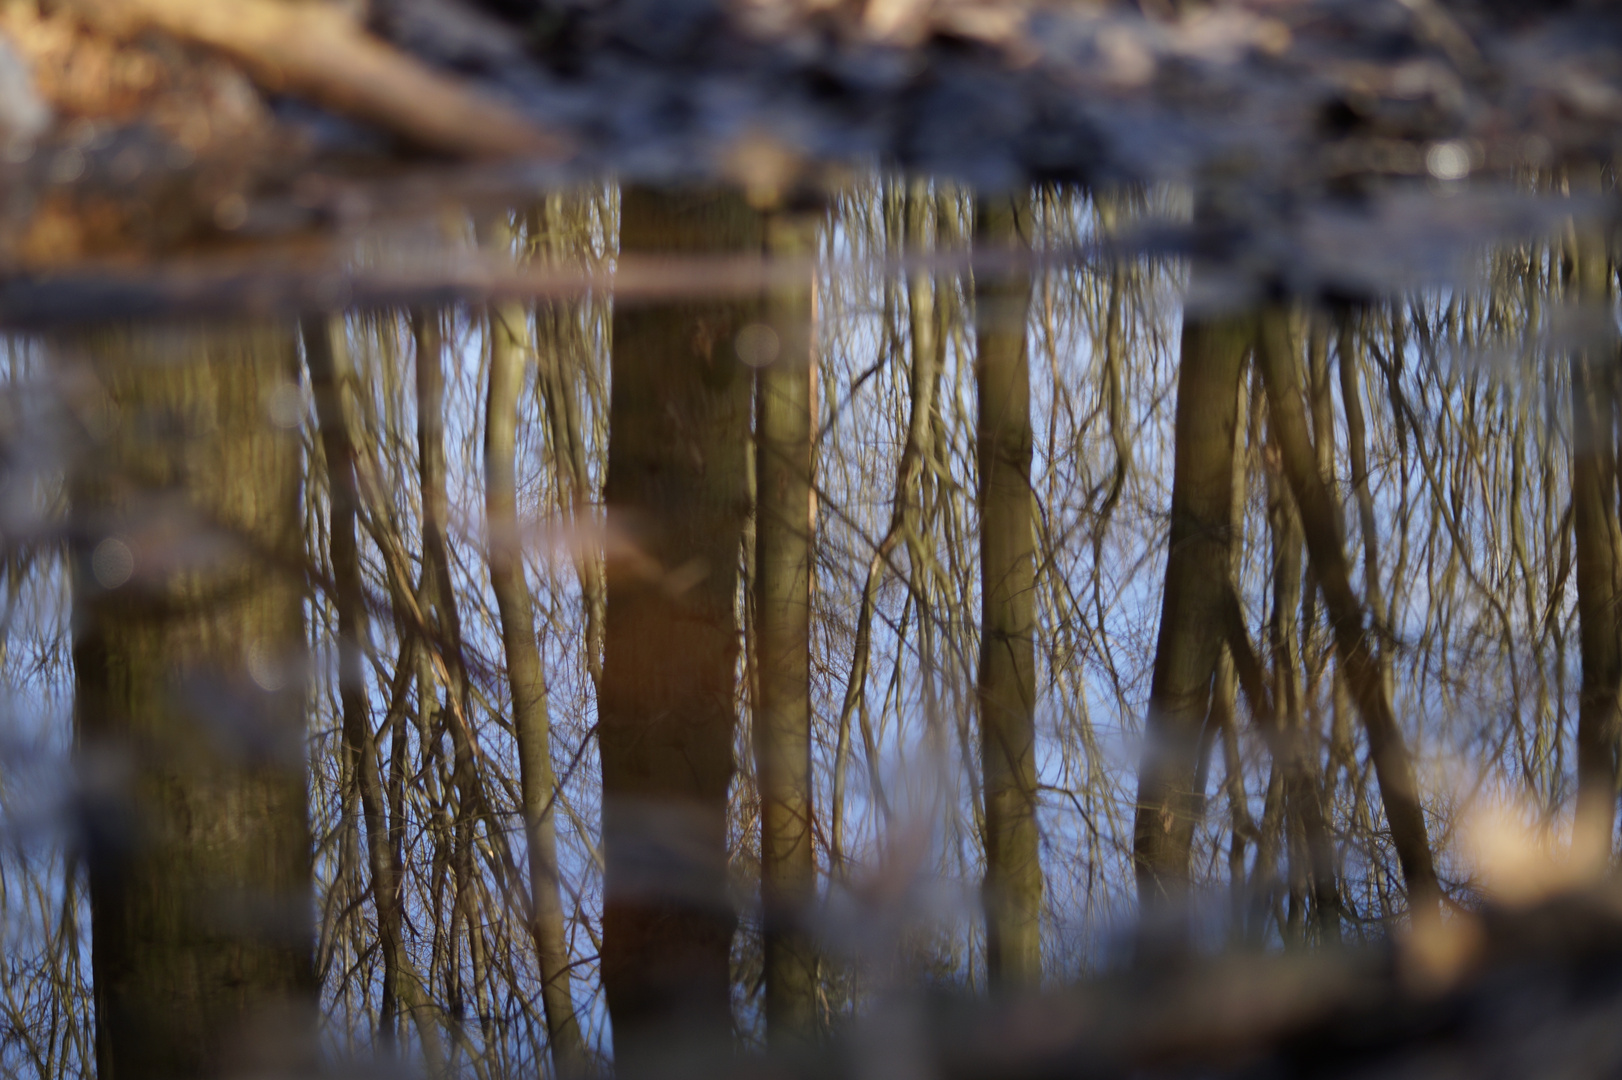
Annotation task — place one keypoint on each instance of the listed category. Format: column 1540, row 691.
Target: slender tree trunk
column 1399, row 790
column 402, row 985
column 439, row 597
column 1007, row 690
column 1280, row 829
column 190, row 709
column 783, row 563
column 1223, row 716
column 918, row 500
column 559, row 387
column 1597, row 539
column 360, row 750
column 904, row 220
column 1197, row 557
column 1352, row 359
column 1351, row 363
column 1315, row 851
column 527, row 678
column 677, row 502
column 1292, row 740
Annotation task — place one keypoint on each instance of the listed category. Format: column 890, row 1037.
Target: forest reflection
column 525, row 574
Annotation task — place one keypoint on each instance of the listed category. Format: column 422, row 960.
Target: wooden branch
column 314, row 51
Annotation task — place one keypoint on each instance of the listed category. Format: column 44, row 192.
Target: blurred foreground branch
column 315, row 51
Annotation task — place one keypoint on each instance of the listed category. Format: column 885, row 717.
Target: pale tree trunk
column 677, row 502
column 1190, row 642
column 442, row 636
column 1320, row 521
column 783, row 564
column 509, row 343
column 1007, row 679
column 189, row 640
column 349, row 601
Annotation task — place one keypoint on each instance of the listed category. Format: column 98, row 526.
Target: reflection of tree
column 1192, row 604
column 187, row 651
column 1322, row 688
column 401, row 984
column 532, row 727
column 1320, row 527
column 677, row 499
column 782, row 715
column 1007, row 671
column 1597, row 543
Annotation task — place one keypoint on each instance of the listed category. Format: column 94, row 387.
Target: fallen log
column 317, row 52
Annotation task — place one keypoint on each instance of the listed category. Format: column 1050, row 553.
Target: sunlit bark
column 1007, row 677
